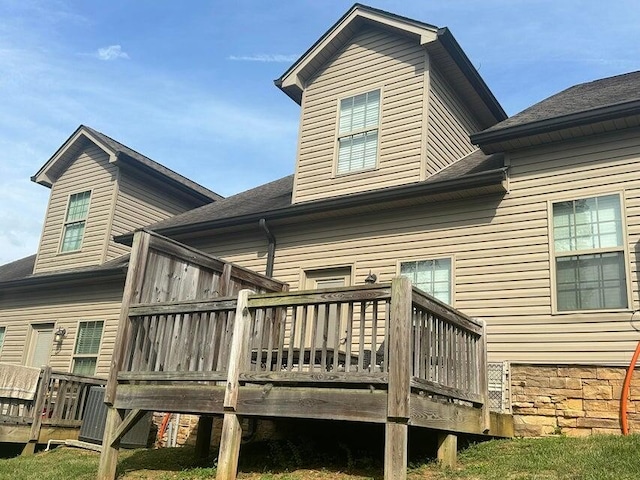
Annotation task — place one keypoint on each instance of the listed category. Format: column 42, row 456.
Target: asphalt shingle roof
column 276, row 195
column 146, row 161
column 584, row 97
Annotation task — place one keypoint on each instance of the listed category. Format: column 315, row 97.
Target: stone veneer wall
column 574, row 400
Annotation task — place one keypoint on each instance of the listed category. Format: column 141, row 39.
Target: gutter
column 65, row 277
column 271, row 249
column 481, row 179
column 548, row 125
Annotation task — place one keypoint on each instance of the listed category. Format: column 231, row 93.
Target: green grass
column 560, row 458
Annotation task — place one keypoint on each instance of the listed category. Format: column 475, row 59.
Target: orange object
column 624, row 396
column 163, row 426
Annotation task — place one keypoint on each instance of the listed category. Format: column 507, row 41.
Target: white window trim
column 338, row 136
column 65, row 223
column 3, row 329
column 75, row 355
column 418, row 258
column 585, row 194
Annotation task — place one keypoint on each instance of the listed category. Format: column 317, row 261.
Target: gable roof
column 600, row 100
column 475, row 173
column 438, row 41
column 118, row 152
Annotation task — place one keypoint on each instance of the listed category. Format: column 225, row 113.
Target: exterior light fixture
column 59, row 335
column 371, row 278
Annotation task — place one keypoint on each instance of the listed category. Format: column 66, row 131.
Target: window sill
column 589, row 312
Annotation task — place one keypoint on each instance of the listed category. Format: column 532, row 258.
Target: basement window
column 358, row 132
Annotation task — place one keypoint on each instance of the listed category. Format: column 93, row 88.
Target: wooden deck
column 56, row 412
column 209, row 338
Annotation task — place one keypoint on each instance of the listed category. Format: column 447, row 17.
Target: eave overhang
column 84, row 277
column 495, row 140
column 492, row 181
column 51, row 170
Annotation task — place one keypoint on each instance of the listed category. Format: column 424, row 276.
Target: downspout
column 271, row 250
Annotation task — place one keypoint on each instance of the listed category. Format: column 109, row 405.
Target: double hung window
column 588, row 245
column 358, row 132
column 85, row 356
column 75, row 221
column 430, row 276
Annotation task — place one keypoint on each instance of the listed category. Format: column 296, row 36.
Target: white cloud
column 112, row 52
column 264, row 57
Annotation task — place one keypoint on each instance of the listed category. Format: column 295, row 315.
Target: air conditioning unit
column 95, row 416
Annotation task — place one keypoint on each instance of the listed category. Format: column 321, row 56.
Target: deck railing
column 336, row 335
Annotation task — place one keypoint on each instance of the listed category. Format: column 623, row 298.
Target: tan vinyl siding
column 500, row 250
column 141, row 202
column 450, row 124
column 91, row 171
column 65, row 306
column 373, row 59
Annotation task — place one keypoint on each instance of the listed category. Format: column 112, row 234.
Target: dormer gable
column 386, row 101
column 101, row 188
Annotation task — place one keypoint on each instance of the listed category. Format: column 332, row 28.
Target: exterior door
column 328, row 319
column 40, row 342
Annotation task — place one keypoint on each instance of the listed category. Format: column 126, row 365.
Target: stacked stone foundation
column 573, row 400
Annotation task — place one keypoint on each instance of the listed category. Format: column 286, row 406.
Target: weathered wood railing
column 336, row 335
column 447, row 350
column 59, row 402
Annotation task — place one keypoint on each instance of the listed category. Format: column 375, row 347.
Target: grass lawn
column 600, row 457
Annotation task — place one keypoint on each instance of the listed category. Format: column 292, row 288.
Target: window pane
column 430, row 276
column 587, row 224
column 84, row 366
column 89, row 335
column 72, row 239
column 2, row 330
column 595, row 281
column 78, row 206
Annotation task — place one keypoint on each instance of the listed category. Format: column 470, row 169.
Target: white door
column 40, row 342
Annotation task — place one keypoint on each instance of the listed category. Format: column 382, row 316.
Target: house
column 60, row 306
column 535, row 231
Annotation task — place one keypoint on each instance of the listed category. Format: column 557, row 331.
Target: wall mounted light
column 371, row 278
column 59, row 334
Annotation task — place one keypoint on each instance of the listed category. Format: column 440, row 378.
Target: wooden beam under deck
column 21, row 433
column 354, row 404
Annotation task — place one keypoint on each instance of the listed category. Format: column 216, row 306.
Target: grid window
column 589, row 254
column 87, row 347
column 358, row 132
column 75, row 221
column 430, row 276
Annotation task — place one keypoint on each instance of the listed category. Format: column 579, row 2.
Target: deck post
column 231, row 426
column 203, row 437
column 447, row 449
column 38, row 406
column 132, row 289
column 398, row 408
column 483, row 377
column 109, row 454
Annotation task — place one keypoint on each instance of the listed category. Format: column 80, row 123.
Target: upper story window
column 588, row 244
column 75, row 221
column 85, row 357
column 430, row 276
column 358, row 132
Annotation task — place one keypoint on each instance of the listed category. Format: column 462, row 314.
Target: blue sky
column 190, row 84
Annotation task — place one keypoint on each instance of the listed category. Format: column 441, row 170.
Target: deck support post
column 203, row 437
column 38, row 406
column 231, row 426
column 447, row 449
column 398, row 395
column 483, row 377
column 110, row 448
